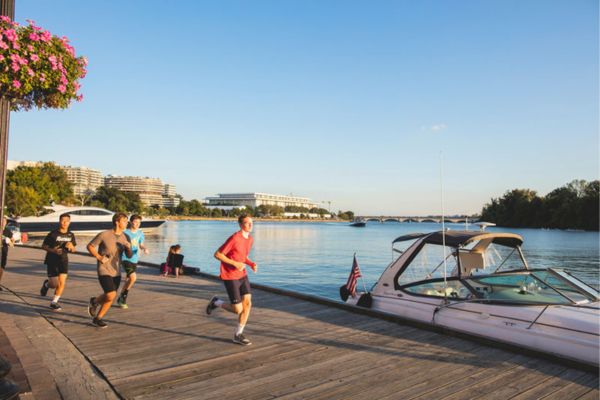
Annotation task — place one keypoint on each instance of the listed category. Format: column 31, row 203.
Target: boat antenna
column 443, row 218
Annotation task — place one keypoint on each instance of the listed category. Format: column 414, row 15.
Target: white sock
column 219, row 303
column 240, row 329
column 55, row 299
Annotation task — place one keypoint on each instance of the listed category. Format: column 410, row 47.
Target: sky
column 380, row 107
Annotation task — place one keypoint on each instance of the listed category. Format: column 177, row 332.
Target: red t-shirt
column 237, row 248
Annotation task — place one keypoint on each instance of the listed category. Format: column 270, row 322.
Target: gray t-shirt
column 112, row 246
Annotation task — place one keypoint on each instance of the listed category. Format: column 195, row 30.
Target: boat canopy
column 462, row 238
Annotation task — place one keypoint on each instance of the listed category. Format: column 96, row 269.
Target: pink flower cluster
column 37, row 68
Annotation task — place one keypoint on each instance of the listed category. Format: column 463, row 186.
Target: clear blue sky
column 346, row 101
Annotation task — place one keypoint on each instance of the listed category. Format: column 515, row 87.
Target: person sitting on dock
column 58, row 244
column 108, row 247
column 174, row 263
column 233, row 255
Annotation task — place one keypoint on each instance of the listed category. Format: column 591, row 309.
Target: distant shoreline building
column 230, row 200
column 85, row 180
column 152, row 191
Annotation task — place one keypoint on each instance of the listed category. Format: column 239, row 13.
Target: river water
column 315, row 258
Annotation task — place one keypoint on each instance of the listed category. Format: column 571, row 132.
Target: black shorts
column 236, row 289
column 109, row 283
column 129, row 267
column 55, row 269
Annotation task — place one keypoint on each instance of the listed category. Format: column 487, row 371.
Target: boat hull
column 571, row 333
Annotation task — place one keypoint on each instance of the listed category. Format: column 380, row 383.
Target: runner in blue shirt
column 136, row 236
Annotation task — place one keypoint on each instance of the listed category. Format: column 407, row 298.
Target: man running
column 58, row 244
column 108, row 247
column 233, row 255
column 136, row 237
column 7, row 241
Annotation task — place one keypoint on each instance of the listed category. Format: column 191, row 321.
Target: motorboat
column 480, row 283
column 358, row 223
column 84, row 220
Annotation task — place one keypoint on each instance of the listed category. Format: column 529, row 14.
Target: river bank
column 260, row 219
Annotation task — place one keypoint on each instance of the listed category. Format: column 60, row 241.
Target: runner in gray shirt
column 108, row 247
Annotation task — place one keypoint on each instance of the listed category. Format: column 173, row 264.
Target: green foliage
column 29, row 189
column 346, row 215
column 117, row 200
column 268, row 210
column 573, row 206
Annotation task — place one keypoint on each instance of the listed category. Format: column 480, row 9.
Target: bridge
column 435, row 219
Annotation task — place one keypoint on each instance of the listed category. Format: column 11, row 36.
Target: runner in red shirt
column 233, row 255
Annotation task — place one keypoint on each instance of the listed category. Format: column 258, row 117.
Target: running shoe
column 121, row 303
column 44, row 289
column 55, row 306
column 211, row 305
column 99, row 323
column 241, row 339
column 92, row 307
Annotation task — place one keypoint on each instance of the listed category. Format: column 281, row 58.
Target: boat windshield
column 536, row 287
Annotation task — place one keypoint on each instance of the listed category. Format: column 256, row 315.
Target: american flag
column 353, row 278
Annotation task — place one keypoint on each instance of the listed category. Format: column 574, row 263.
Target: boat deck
column 165, row 346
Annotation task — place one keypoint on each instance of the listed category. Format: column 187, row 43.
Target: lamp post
column 7, row 8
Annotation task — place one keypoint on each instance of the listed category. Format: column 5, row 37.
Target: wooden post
column 7, row 7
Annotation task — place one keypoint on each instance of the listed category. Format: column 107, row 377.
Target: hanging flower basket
column 37, row 69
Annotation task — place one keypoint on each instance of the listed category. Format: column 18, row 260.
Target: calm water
column 316, row 257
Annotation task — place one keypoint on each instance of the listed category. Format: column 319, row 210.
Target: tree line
column 575, row 205
column 29, row 189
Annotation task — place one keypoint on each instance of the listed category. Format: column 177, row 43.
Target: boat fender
column 366, row 300
column 344, row 293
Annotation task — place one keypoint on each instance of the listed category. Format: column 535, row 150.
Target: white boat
column 84, row 220
column 479, row 283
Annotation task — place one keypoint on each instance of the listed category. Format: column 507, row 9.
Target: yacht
column 84, row 220
column 480, row 283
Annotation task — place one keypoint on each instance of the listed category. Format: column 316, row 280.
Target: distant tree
column 346, row 215
column 574, row 205
column 46, row 184
column 117, row 200
column 22, row 201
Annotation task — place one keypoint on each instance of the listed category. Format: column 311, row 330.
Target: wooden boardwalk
column 165, row 347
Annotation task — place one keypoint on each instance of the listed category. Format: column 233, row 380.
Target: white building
column 150, row 190
column 84, row 180
column 256, row 199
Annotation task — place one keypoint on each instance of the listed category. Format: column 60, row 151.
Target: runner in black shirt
column 58, row 244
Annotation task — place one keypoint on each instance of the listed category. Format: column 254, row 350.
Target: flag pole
column 361, row 276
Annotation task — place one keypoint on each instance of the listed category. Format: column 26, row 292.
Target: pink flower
column 42, row 77
column 16, row 84
column 1, row 57
column 46, row 36
column 30, row 72
column 79, row 97
column 34, row 36
column 10, row 34
column 34, row 57
column 62, row 88
column 4, row 18
column 3, row 45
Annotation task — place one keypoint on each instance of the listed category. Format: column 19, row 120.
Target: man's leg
column 131, row 278
column 105, row 302
column 3, row 261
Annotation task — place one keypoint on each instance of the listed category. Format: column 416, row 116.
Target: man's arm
column 236, row 264
column 92, row 250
